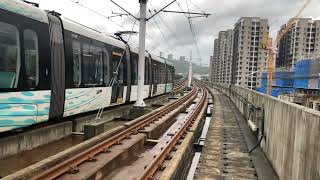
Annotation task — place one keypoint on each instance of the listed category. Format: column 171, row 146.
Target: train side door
column 128, row 73
column 150, row 71
column 114, row 79
column 57, row 67
column 117, row 76
column 154, row 77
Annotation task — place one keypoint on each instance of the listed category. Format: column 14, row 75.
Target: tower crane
column 269, row 45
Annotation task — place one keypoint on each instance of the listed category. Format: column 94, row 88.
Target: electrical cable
column 157, row 25
column 197, row 7
column 105, row 17
column 193, row 33
column 77, row 2
column 191, row 29
column 115, row 74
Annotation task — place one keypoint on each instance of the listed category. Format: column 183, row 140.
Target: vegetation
column 182, row 67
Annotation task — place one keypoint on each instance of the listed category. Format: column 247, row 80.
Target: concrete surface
column 292, row 133
column 34, row 138
column 113, row 112
column 105, row 163
column 225, row 154
column 29, row 171
column 177, row 167
column 30, row 139
column 19, row 161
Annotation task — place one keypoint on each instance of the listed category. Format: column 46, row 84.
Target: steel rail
column 74, row 161
column 180, row 85
column 157, row 162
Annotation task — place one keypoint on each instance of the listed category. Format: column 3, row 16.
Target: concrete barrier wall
column 28, row 140
column 79, row 123
column 292, row 133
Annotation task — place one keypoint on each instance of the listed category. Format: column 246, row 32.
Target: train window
column 146, row 73
column 168, row 74
column 98, row 58
column 120, row 73
column 134, row 71
column 91, row 65
column 154, row 73
column 76, row 56
column 31, row 53
column 163, row 77
column 158, row 74
column 162, row 74
column 117, row 67
column 171, row 77
column 9, row 56
column 106, row 60
column 171, row 74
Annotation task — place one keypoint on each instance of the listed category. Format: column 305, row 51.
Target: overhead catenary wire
column 193, row 33
column 167, row 26
column 151, row 39
column 197, row 6
column 109, row 6
column 165, row 23
column 96, row 12
column 109, row 19
column 115, row 74
column 157, row 24
column 191, row 29
column 159, row 28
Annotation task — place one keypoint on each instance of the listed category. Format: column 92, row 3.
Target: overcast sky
column 169, row 32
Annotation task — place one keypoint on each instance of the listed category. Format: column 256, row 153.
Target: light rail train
column 51, row 68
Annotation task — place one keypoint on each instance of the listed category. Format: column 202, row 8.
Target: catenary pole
column 190, row 71
column 142, row 41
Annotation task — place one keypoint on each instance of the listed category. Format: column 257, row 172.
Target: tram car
column 51, row 68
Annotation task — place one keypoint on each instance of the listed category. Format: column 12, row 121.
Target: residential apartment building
column 249, row 61
column 210, row 69
column 222, row 57
column 300, row 42
column 213, row 67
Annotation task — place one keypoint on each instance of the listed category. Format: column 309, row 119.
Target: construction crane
column 269, row 46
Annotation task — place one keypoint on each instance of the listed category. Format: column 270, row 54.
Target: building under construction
column 301, row 86
column 299, row 42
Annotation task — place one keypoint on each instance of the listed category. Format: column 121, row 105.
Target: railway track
column 180, row 85
column 168, row 143
column 70, row 166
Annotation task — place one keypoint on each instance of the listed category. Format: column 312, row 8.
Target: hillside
column 183, row 66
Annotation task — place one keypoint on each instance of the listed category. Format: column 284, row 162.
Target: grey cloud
column 224, row 15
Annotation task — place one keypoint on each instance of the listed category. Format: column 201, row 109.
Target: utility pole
column 142, row 50
column 190, row 71
column 142, row 41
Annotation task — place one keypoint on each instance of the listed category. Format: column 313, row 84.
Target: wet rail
column 180, row 85
column 171, row 140
column 71, row 164
column 42, row 152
